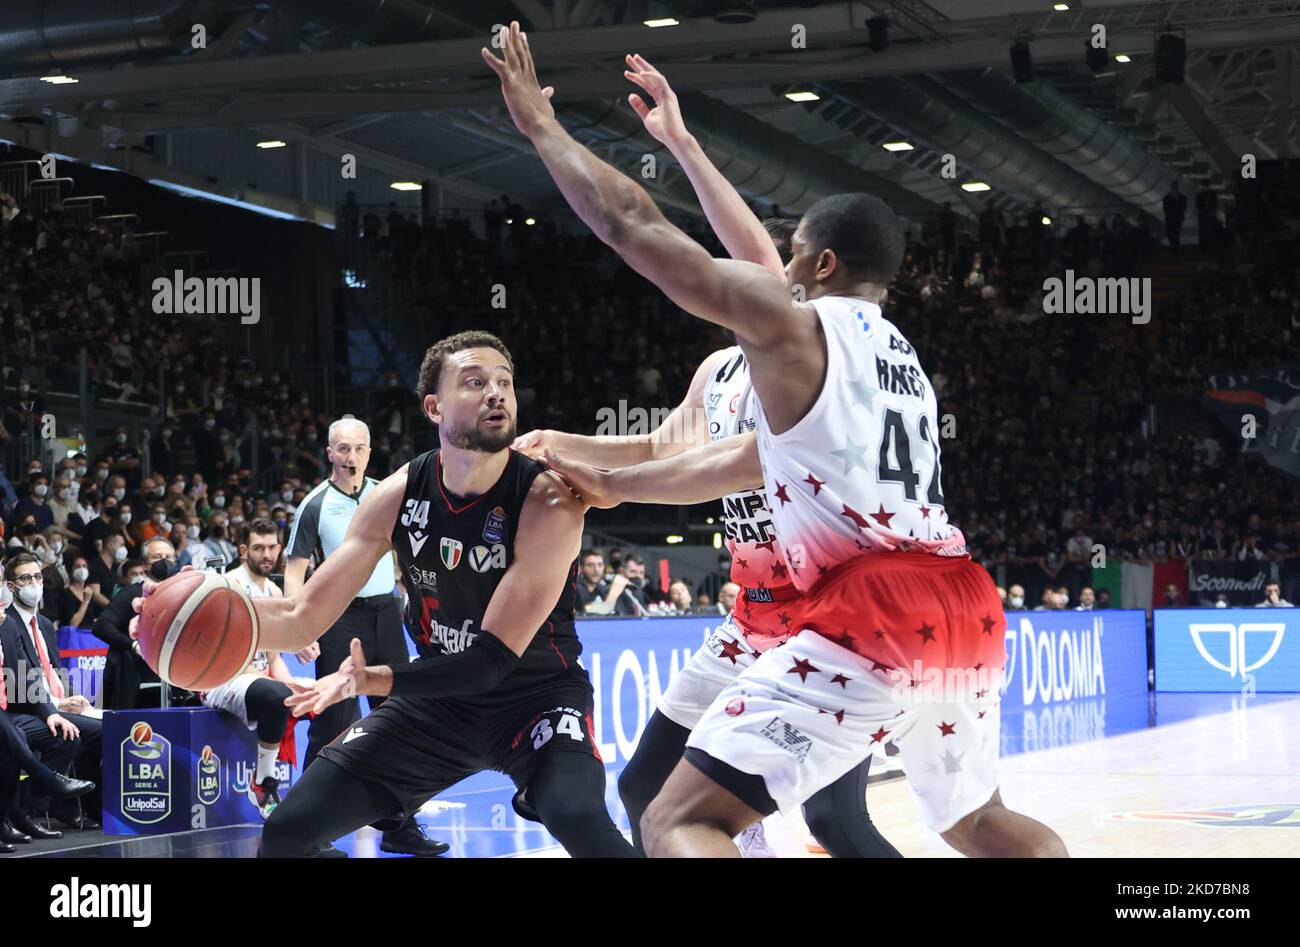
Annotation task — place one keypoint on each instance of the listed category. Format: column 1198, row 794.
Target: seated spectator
column 76, row 602
column 679, row 595
column 1173, row 597
column 256, row 697
column 1103, row 598
column 1087, row 600
column 103, row 567
column 632, row 600
column 1016, row 598
column 1273, row 597
column 727, row 596
column 704, row 605
column 595, row 594
column 34, row 506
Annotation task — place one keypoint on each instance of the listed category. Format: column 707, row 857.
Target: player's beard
column 253, row 567
column 475, row 438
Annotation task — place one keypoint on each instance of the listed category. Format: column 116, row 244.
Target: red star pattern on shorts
column 779, row 571
column 988, row 624
column 880, row 634
column 877, row 666
column 925, row 511
column 981, row 694
column 785, row 619
column 781, row 494
column 743, row 563
column 821, row 571
column 839, row 716
column 841, row 680
column 879, row 735
column 816, row 484
column 947, row 729
column 769, row 545
column 979, row 665
column 882, row 517
column 803, row 667
column 926, row 631
column 731, row 650
column 982, row 713
column 858, row 520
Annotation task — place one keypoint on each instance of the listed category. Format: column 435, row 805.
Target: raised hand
column 663, row 120
column 528, row 102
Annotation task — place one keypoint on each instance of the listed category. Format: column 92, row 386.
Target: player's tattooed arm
column 295, row 621
column 684, row 428
column 699, row 475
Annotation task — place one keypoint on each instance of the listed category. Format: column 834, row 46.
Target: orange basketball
column 197, row 630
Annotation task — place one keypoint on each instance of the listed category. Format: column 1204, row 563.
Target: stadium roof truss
column 428, row 108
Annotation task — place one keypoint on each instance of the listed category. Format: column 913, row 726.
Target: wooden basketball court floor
column 1159, row 775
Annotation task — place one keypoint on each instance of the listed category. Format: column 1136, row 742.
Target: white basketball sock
column 265, row 762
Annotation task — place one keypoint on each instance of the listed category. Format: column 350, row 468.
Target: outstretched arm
column 738, row 295
column 740, row 231
column 683, row 429
column 698, row 475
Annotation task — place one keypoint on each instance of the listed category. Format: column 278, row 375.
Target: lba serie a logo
column 146, row 775
column 207, row 780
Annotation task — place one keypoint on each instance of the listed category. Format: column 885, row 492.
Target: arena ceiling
column 400, row 84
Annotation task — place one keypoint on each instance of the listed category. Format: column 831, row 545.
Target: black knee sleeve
column 657, row 753
column 837, row 817
column 264, row 701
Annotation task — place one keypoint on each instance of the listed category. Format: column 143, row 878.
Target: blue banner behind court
column 1228, row 649
column 1059, row 656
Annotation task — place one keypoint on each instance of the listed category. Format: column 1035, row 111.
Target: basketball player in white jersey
column 719, row 403
column 257, row 695
column 850, row 464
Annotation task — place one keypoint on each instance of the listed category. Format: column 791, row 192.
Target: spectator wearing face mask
column 156, row 525
column 125, row 669
column 63, row 505
column 76, row 605
column 217, row 546
column 36, row 503
column 1016, row 598
column 104, row 565
column 53, row 567
column 112, row 518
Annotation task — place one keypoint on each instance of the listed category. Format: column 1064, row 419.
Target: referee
column 375, row 616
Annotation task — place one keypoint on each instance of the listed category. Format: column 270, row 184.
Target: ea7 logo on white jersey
column 481, row 558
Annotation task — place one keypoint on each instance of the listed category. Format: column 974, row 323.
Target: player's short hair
column 261, row 527
column 862, row 231
column 436, row 356
column 781, row 229
column 582, row 556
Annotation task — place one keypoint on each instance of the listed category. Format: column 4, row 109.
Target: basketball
column 197, row 630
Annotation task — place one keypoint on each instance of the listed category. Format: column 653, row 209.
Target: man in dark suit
column 50, row 720
column 125, row 669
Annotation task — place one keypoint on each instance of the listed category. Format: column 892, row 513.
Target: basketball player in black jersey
column 487, row 540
